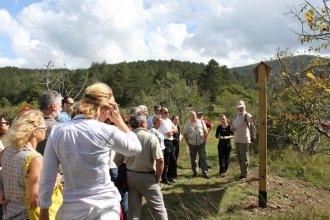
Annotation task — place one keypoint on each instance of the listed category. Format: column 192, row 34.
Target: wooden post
column 261, row 76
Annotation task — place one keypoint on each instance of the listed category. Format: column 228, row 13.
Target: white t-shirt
column 1, row 146
column 166, row 127
column 241, row 132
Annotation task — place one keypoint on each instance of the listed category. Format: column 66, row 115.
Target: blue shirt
column 64, row 117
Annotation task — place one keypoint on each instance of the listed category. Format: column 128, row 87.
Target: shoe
column 166, row 182
column 208, row 166
column 207, row 176
column 195, row 175
column 223, row 175
column 172, row 181
column 241, row 177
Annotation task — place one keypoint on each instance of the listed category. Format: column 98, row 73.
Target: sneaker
column 241, row 177
column 208, row 166
column 223, row 175
column 172, row 181
column 195, row 175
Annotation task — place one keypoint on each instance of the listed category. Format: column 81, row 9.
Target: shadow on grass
column 191, row 198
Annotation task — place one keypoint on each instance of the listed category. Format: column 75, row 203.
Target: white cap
column 240, row 104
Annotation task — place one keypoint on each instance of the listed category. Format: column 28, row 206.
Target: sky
column 76, row 33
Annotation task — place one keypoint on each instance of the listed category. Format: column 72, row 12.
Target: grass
column 220, row 198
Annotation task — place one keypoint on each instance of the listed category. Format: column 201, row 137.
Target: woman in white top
column 157, row 121
column 82, row 147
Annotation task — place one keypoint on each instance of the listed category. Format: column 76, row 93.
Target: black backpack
column 252, row 129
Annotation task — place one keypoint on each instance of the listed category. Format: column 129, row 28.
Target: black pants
column 224, row 154
column 169, row 171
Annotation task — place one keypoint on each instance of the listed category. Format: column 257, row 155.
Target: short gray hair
column 136, row 117
column 49, row 97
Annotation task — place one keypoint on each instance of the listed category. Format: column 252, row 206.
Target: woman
column 28, row 129
column 82, row 146
column 224, row 134
column 157, row 121
column 176, row 137
column 3, row 128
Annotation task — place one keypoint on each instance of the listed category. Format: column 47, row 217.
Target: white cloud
column 80, row 32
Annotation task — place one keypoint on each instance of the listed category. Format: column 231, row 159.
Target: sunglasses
column 42, row 127
column 5, row 123
column 165, row 112
column 70, row 103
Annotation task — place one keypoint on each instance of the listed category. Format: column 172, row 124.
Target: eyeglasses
column 165, row 112
column 5, row 123
column 42, row 127
column 70, row 103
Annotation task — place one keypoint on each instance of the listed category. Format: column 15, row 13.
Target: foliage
column 315, row 23
column 177, row 96
column 299, row 105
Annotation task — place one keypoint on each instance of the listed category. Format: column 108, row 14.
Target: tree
column 213, row 77
column 177, row 96
column 315, row 23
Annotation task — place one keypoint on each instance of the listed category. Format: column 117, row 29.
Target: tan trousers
column 142, row 184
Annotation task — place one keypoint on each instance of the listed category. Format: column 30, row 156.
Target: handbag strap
column 26, row 172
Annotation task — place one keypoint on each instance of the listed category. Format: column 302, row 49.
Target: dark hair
column 66, row 100
column 174, row 117
column 156, row 107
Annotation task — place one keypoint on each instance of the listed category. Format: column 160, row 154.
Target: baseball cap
column 240, row 104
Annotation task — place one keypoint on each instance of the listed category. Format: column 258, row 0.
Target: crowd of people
column 106, row 161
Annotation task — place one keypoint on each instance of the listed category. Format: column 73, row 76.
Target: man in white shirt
column 168, row 129
column 157, row 112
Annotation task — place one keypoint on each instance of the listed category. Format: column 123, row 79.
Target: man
column 209, row 127
column 149, row 120
column 168, row 129
column 144, row 170
column 50, row 104
column 67, row 109
column 242, row 137
column 195, row 134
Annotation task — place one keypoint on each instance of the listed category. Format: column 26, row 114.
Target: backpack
column 252, row 129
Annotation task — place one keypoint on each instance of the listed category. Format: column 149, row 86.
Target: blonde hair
column 96, row 96
column 22, row 127
column 155, row 119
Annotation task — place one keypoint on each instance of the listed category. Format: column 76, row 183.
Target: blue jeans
column 124, row 196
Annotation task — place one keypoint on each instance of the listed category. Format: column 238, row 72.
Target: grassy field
column 223, row 198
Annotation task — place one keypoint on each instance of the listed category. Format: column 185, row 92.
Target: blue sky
column 79, row 32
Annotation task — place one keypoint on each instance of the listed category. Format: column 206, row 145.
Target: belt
column 150, row 172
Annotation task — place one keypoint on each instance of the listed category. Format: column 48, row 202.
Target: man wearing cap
column 242, row 137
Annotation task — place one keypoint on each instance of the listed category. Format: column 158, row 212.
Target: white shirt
column 1, row 146
column 159, row 136
column 149, row 121
column 166, row 127
column 82, row 147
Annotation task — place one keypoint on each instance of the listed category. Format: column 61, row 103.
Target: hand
column 4, row 203
column 232, row 128
column 114, row 113
column 170, row 133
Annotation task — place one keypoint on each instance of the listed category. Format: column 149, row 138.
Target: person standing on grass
column 195, row 134
column 168, row 129
column 209, row 127
column 144, row 170
column 176, row 141
column 242, row 137
column 224, row 134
